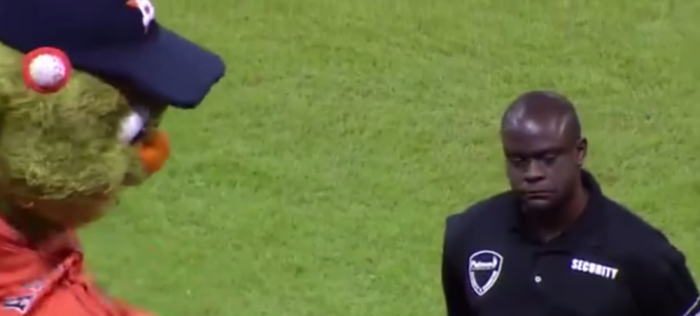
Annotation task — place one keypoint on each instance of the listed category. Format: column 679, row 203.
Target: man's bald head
column 537, row 111
column 544, row 150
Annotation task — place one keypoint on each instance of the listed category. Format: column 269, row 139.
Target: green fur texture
column 60, row 145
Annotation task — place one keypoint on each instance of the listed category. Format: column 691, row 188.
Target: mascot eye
column 133, row 126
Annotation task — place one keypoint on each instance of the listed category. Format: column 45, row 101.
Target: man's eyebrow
column 535, row 153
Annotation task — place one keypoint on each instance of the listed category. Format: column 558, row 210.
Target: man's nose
column 534, row 172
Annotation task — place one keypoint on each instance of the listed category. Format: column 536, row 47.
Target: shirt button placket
column 537, row 275
column 539, row 294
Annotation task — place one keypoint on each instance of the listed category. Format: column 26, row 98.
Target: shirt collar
column 587, row 230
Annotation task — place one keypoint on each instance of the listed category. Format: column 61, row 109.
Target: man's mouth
column 538, row 195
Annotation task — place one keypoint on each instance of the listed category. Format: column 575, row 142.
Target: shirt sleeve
column 663, row 286
column 452, row 276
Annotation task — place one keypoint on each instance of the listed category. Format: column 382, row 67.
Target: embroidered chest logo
column 484, row 269
column 19, row 304
column 148, row 11
column 594, row 268
column 23, row 302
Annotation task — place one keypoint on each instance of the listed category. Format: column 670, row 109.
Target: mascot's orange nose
column 154, row 150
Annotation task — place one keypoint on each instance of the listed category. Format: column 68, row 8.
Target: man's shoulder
column 633, row 235
column 483, row 213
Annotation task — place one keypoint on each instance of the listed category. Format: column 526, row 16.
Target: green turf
column 316, row 178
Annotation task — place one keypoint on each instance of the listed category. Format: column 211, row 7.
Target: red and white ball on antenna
column 46, row 69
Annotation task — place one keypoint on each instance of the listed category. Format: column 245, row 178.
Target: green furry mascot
column 83, row 86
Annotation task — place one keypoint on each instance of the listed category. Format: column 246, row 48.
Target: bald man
column 554, row 244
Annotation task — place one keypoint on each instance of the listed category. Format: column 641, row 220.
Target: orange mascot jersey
column 49, row 279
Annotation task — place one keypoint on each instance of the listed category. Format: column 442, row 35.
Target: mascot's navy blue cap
column 115, row 38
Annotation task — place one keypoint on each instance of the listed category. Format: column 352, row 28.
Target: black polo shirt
column 609, row 263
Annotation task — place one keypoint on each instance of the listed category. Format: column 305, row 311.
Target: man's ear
column 581, row 151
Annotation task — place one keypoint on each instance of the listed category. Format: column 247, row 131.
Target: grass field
column 316, row 178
